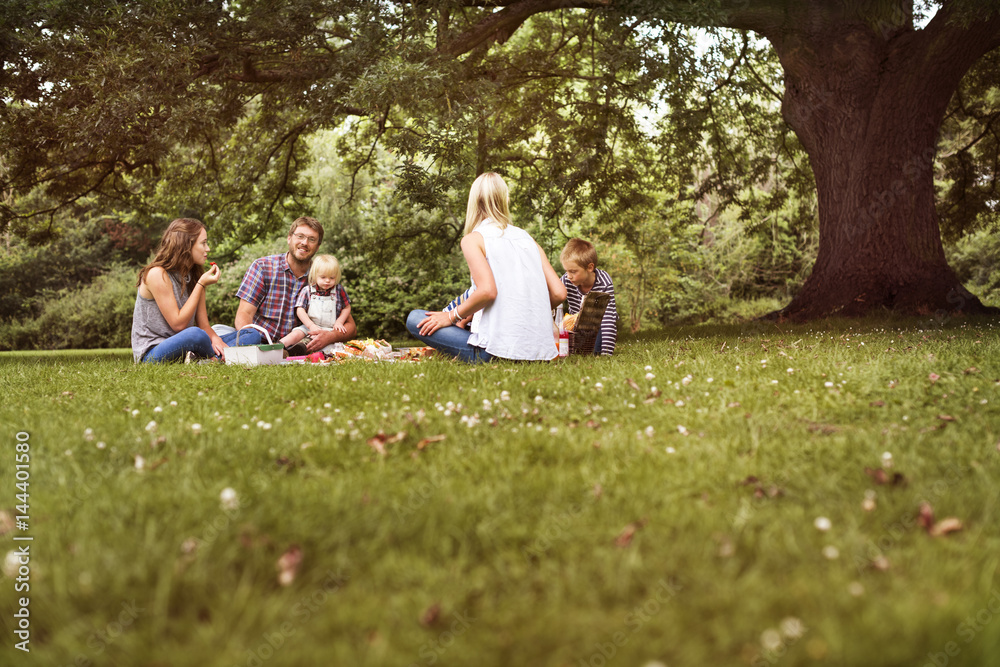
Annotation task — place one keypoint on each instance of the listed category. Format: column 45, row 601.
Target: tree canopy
column 203, row 106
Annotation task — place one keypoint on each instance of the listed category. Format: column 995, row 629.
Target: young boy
column 582, row 275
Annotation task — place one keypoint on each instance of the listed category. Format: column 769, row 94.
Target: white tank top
column 518, row 324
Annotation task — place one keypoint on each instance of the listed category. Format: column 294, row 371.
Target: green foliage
column 31, row 274
column 96, row 315
column 976, row 260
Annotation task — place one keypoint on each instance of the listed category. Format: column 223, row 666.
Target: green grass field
column 709, row 496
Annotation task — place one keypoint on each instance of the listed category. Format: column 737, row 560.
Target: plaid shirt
column 271, row 287
column 302, row 301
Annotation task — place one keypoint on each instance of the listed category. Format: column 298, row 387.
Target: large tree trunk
column 868, row 107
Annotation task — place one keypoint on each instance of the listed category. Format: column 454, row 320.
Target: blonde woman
column 514, row 288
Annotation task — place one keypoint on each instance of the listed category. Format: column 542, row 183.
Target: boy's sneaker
column 190, row 357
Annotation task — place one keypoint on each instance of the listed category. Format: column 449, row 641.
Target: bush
column 976, row 260
column 98, row 315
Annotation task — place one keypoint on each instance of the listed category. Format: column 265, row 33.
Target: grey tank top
column 149, row 328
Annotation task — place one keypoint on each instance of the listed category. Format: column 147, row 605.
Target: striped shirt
column 270, row 286
column 609, row 325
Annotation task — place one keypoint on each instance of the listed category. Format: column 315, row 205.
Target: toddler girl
column 323, row 305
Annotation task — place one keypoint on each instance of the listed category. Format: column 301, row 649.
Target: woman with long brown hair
column 170, row 318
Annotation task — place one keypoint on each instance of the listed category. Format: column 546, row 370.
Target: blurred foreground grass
column 701, row 498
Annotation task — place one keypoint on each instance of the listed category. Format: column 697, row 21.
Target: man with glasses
column 267, row 295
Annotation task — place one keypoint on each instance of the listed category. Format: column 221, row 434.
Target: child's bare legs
column 291, row 339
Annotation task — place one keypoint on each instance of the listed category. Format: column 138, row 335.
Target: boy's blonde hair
column 324, row 265
column 488, row 198
column 580, row 252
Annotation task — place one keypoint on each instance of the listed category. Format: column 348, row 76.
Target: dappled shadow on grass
column 63, row 356
column 834, row 325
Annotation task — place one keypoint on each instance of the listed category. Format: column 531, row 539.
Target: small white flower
column 856, row 588
column 774, row 382
column 648, row 368
column 687, row 380
column 157, row 409
column 650, row 376
column 447, row 413
column 652, row 389
column 791, row 370
column 11, row 564
column 229, row 499
column 822, row 523
column 406, row 399
column 140, row 463
column 173, row 403
column 196, row 428
column 553, row 430
column 831, row 552
column 504, row 395
column 135, row 413
column 330, row 405
column 266, row 426
column 598, row 385
column 649, row 431
column 682, row 430
column 151, row 426
column 538, row 399
column 827, row 384
column 710, row 380
column 246, row 427
column 737, row 368
column 101, row 445
column 792, row 627
column 88, row 434
column 679, row 404
column 886, row 459
column 770, row 639
column 671, row 450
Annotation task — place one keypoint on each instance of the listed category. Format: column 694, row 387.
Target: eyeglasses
column 311, row 240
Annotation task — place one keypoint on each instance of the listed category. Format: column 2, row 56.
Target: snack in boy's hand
column 569, row 322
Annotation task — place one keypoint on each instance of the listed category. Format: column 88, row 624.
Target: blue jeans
column 452, row 341
column 195, row 340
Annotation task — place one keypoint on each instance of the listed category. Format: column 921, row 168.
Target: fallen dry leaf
column 428, row 440
column 628, row 532
column 947, row 418
column 632, row 383
column 654, row 395
column 877, row 404
column 158, row 463
column 430, row 615
column 288, row 565
column 591, row 423
column 598, row 490
column 925, row 519
column 971, row 370
column 380, row 440
column 880, row 476
column 945, row 526
column 6, row 522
